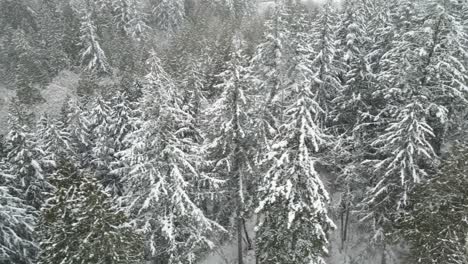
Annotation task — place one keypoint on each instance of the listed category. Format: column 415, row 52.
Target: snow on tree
column 110, row 123
column 270, row 65
column 321, row 44
column 410, row 155
column 195, row 96
column 422, row 79
column 130, row 17
column 238, row 8
column 163, row 172
column 80, row 225
column 92, row 56
column 54, row 139
column 443, row 49
column 25, row 157
column 17, row 221
column 75, row 118
column 169, row 14
column 18, row 15
column 352, row 101
column 102, row 149
column 231, row 151
column 436, row 226
column 293, row 198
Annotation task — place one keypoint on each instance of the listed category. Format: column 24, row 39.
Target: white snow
column 54, row 94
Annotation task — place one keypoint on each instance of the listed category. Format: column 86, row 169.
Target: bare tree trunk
column 384, row 257
column 346, row 224
column 239, row 236
column 246, row 233
column 344, row 216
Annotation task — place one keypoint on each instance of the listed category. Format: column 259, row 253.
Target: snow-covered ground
column 54, row 94
column 227, row 253
column 356, row 250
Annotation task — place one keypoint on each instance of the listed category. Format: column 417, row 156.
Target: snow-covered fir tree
column 417, row 108
column 169, row 14
column 353, row 68
column 30, row 71
column 111, row 121
column 130, row 17
column 293, row 198
column 238, row 8
column 25, row 159
column 92, row 56
column 270, row 65
column 54, row 140
column 231, row 148
column 321, row 44
column 77, row 123
column 435, row 227
column 102, row 148
column 17, row 221
column 163, row 171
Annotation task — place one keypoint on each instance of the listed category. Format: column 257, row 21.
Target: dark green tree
column 79, row 224
column 436, row 225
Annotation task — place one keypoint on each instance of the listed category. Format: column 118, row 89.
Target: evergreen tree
column 293, row 198
column 162, row 173
column 71, row 32
column 51, row 35
column 270, row 65
column 93, row 57
column 17, row 221
column 321, row 45
column 353, row 102
column 55, row 140
column 80, row 225
column 417, row 89
column 129, row 17
column 25, row 157
column 17, row 15
column 169, row 14
column 75, row 118
column 238, row 8
column 29, row 70
column 435, row 226
column 110, row 123
column 231, row 150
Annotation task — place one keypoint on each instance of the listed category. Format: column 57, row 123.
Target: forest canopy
column 161, row 131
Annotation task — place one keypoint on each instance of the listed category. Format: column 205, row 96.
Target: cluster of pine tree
column 192, row 117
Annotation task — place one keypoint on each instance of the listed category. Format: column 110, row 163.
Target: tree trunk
column 384, row 257
column 246, row 233
column 239, row 235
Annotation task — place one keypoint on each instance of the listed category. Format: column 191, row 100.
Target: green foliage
column 80, row 225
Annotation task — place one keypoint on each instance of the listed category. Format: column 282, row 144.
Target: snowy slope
column 54, row 94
